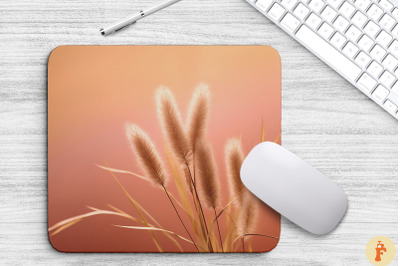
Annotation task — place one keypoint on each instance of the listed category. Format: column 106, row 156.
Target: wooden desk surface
column 325, row 120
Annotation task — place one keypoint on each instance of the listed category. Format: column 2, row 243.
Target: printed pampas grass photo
column 192, row 168
column 175, row 134
column 150, row 162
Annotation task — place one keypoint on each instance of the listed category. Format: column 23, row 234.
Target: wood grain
column 326, row 121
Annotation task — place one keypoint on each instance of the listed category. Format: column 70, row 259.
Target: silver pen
column 141, row 14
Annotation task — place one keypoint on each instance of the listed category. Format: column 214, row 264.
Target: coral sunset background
column 93, row 91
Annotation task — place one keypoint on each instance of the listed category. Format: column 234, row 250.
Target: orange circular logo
column 380, row 250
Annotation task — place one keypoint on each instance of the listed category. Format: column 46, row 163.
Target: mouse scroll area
column 293, row 188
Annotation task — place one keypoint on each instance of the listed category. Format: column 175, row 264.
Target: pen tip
column 102, row 32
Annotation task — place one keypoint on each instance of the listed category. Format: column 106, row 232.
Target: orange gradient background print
column 94, row 91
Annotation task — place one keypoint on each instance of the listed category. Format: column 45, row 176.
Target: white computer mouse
column 293, row 188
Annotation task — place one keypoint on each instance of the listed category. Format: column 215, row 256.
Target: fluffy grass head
column 147, row 156
column 234, row 158
column 206, row 170
column 198, row 114
column 171, row 124
column 249, row 214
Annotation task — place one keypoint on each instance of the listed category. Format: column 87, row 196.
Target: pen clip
column 142, row 14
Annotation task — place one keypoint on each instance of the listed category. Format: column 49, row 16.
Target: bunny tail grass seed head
column 148, row 158
column 234, row 158
column 187, row 177
column 171, row 124
column 248, row 215
column 206, row 170
column 197, row 115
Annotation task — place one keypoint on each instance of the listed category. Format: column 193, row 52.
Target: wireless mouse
column 293, row 188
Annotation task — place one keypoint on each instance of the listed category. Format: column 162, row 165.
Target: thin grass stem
column 143, row 219
column 201, row 208
column 219, row 231
column 177, row 213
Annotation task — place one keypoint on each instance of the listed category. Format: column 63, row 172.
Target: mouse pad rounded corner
column 145, row 146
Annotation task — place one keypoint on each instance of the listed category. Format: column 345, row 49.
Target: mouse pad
column 145, row 145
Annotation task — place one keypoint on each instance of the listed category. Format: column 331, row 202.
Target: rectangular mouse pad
column 145, row 145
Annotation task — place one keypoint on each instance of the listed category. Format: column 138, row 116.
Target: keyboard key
column 375, row 12
column 362, row 4
column 313, row 21
column 378, row 52
column 384, row 38
column 335, row 3
column 359, row 19
column 390, row 106
column 375, row 69
column 263, row 4
column 387, row 22
column 371, row 29
column 290, row 22
column 387, row 79
column 325, row 30
column 347, row 9
column 386, row 5
column 328, row 14
column 362, row 59
column 395, row 30
column 301, row 11
column 350, row 50
column 394, row 47
column 366, row 82
column 276, row 11
column 395, row 13
column 338, row 40
column 340, row 23
column 333, row 57
column 380, row 93
column 353, row 33
column 395, row 88
column 289, row 4
column 390, row 62
column 316, row 5
column 365, row 43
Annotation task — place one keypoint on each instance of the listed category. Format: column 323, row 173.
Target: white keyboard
column 357, row 38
